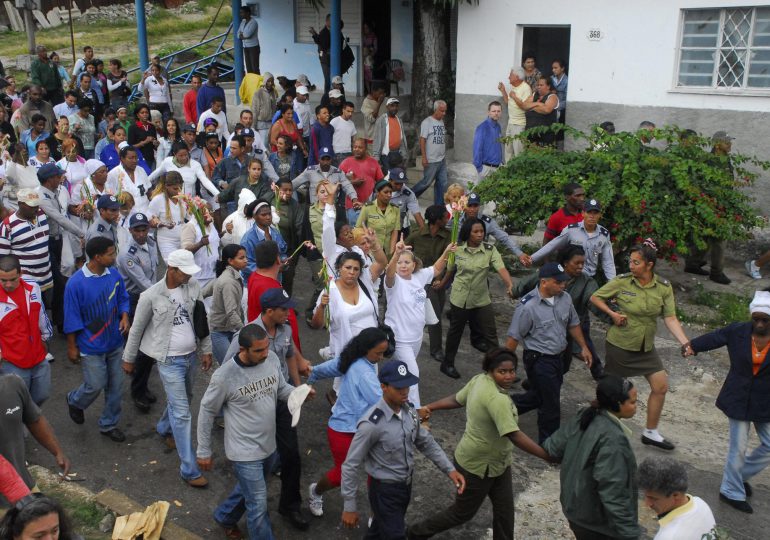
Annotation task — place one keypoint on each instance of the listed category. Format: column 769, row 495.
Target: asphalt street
column 145, row 470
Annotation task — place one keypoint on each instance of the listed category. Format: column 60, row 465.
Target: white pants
column 516, row 147
column 407, row 352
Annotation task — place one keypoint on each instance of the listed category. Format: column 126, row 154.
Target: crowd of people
column 145, row 243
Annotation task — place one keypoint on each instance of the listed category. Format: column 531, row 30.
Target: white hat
column 28, row 196
column 334, row 93
column 760, row 303
column 302, row 90
column 391, row 100
column 184, row 261
column 296, row 399
column 93, row 165
column 337, row 80
column 122, row 145
column 303, row 79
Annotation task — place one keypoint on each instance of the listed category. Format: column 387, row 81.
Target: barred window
column 725, row 49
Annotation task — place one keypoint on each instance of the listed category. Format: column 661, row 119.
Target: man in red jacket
column 190, row 100
column 23, row 328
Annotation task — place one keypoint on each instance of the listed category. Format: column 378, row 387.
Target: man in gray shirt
column 541, row 322
column 433, row 147
column 105, row 223
column 247, row 388
column 391, row 423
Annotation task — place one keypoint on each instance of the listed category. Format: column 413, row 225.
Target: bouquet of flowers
column 198, row 209
column 458, row 208
column 277, row 197
column 324, row 274
column 86, row 207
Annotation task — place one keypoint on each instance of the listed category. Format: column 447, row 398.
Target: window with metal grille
column 306, row 16
column 725, row 49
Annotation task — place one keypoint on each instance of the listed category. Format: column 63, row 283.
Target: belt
column 490, row 165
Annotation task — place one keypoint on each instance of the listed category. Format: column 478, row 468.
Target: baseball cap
column 397, row 175
column 295, row 401
column 138, row 220
column 302, row 90
column 276, row 298
column 184, row 261
column 212, row 135
column 303, row 79
column 190, row 128
column 553, row 270
column 337, row 80
column 210, row 122
column 325, row 152
column 392, row 100
column 334, row 93
column 107, row 202
column 592, row 204
column 28, row 196
column 122, row 145
column 473, row 199
column 721, row 136
column 247, row 132
column 93, row 165
column 395, row 373
column 48, row 170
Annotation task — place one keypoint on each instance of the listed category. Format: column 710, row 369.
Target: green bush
column 679, row 195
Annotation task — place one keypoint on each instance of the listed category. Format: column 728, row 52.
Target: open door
column 546, row 43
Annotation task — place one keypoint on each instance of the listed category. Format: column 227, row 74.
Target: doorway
column 546, row 43
column 377, row 16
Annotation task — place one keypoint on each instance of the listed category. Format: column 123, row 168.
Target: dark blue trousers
column 546, row 374
column 389, row 503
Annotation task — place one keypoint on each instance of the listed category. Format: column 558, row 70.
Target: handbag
column 386, row 329
column 200, row 320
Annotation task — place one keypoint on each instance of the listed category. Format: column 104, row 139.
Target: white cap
column 184, row 261
column 760, row 303
column 337, row 80
column 391, row 100
column 93, row 165
column 295, row 401
column 334, row 93
column 122, row 145
column 302, row 90
column 28, row 196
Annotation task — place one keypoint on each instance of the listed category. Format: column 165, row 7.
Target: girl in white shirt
column 171, row 135
column 156, row 92
column 167, row 213
column 190, row 171
column 405, row 289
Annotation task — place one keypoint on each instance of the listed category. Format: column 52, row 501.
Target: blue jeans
column 177, row 374
column 101, row 372
column 220, row 342
column 437, row 172
column 37, row 378
column 250, row 495
column 739, row 467
column 352, row 215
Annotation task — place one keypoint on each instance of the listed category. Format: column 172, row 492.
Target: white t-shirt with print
column 182, row 334
column 406, row 305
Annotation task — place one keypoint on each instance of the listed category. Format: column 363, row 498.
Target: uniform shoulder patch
column 406, row 191
column 603, row 231
column 626, row 275
column 486, row 219
column 573, row 225
column 663, row 280
column 132, row 250
column 375, row 416
column 488, row 245
column 527, row 298
column 100, row 228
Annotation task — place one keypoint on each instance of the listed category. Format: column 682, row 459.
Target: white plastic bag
column 67, row 265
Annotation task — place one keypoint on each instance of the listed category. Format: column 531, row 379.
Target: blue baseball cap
column 395, row 373
column 138, row 220
column 553, row 270
column 473, row 198
column 592, row 205
column 397, row 175
column 108, row 202
column 247, row 132
column 276, row 298
column 325, row 152
column 48, row 170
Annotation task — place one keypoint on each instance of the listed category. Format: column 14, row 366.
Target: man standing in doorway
column 487, row 148
column 433, row 147
column 248, row 32
column 516, row 119
column 389, row 136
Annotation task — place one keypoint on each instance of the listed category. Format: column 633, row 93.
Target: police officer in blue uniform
column 137, row 263
column 105, row 223
column 391, row 423
column 405, row 199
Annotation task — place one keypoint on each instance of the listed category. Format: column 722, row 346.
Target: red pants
column 339, row 443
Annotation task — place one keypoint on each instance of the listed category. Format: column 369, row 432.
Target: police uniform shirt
column 472, row 266
column 313, row 175
column 385, row 442
column 406, row 201
column 383, row 223
column 542, row 326
column 137, row 265
column 281, row 344
column 493, row 229
column 103, row 228
column 596, row 244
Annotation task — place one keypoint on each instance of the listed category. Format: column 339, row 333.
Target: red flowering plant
column 675, row 190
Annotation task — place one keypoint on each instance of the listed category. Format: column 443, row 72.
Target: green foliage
column 679, row 195
column 725, row 308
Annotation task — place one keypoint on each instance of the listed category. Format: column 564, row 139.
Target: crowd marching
column 146, row 241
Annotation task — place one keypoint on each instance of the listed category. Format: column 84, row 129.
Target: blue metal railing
column 182, row 74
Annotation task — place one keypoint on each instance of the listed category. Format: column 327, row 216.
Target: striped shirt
column 29, row 242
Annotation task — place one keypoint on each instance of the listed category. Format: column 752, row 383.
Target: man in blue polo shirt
column 487, row 148
column 96, row 307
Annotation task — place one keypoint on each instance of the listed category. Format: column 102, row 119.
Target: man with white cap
column 334, row 102
column 263, row 105
column 337, row 85
column 166, row 329
column 389, row 136
column 304, row 111
column 744, row 398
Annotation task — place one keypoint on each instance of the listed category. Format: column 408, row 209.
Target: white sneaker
column 316, row 501
column 753, row 270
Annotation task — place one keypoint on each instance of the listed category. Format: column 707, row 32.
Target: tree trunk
column 432, row 70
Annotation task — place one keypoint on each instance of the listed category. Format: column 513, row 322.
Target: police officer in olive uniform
column 592, row 237
column 541, row 322
column 105, row 223
column 137, row 264
column 382, row 222
column 391, row 423
column 405, row 199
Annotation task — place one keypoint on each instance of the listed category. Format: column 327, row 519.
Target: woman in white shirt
column 237, row 224
column 131, row 178
column 190, row 170
column 405, row 284
column 42, row 155
column 18, row 175
column 167, row 213
column 73, row 165
column 156, row 92
column 171, row 135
